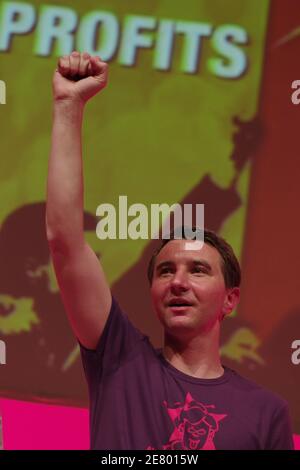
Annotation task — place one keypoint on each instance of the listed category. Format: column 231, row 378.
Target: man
column 179, row 397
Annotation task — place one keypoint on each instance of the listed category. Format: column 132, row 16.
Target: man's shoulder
column 257, row 392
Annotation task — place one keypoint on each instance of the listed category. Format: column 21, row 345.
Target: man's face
column 188, row 289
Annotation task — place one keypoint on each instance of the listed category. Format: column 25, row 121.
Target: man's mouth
column 179, row 304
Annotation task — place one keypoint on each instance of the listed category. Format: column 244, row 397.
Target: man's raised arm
column 85, row 291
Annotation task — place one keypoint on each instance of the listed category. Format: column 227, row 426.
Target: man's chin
column 179, row 327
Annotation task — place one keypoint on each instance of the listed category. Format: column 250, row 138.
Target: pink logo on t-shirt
column 195, row 425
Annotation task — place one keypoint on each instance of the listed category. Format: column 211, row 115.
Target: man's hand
column 79, row 77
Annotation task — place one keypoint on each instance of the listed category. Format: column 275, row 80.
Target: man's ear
column 230, row 302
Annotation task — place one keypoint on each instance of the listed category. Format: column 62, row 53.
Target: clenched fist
column 79, row 77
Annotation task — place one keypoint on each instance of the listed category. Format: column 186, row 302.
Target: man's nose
column 180, row 282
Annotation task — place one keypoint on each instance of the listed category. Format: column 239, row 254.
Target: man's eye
column 165, row 271
column 198, row 269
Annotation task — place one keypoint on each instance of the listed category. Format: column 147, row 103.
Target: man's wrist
column 68, row 108
column 68, row 103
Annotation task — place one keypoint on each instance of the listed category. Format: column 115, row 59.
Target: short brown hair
column 230, row 266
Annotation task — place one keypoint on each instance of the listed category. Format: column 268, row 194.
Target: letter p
column 15, row 18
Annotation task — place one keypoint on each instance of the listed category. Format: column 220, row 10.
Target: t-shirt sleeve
column 281, row 436
column 117, row 342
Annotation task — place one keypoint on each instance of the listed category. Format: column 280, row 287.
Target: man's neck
column 198, row 356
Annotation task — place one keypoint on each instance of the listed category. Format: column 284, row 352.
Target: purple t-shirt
column 140, row 401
